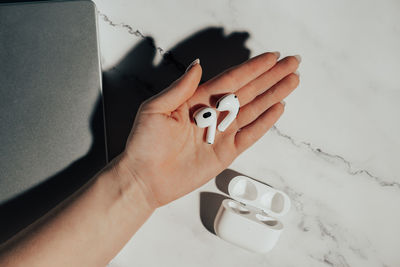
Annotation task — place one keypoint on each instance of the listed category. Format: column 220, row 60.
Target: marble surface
column 334, row 151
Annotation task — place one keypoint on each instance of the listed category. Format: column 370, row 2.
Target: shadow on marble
column 209, row 206
column 135, row 78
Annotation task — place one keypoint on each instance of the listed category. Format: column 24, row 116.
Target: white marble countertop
column 334, row 151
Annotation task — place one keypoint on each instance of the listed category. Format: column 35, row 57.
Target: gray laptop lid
column 52, row 135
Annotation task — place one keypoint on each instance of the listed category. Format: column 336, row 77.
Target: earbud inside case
column 249, row 220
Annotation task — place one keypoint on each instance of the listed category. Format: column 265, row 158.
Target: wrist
column 131, row 186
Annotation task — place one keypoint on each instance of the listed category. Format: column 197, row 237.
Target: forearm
column 89, row 229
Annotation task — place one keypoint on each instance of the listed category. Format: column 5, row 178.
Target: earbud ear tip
column 194, row 119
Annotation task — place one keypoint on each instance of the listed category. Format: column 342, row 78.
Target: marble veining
column 337, row 158
column 128, row 27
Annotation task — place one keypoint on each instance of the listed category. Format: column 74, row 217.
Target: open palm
column 166, row 152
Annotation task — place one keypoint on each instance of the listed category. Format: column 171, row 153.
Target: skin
column 165, row 158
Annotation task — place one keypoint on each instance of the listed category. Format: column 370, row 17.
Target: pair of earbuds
column 207, row 117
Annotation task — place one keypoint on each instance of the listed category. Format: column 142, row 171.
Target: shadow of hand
column 135, row 78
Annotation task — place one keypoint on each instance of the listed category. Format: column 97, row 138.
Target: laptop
column 52, row 130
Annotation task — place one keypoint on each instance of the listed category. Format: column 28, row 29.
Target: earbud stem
column 211, row 134
column 226, row 121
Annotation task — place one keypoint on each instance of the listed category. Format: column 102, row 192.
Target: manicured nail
column 297, row 73
column 277, row 54
column 196, row 61
column 283, row 102
column 298, row 57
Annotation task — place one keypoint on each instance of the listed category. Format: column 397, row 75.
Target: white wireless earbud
column 228, row 103
column 207, row 117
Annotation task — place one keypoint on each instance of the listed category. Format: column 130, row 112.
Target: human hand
column 166, row 152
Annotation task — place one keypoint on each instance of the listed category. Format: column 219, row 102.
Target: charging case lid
column 253, row 193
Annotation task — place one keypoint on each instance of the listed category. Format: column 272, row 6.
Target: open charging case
column 249, row 219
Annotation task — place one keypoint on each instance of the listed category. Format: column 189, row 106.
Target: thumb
column 179, row 91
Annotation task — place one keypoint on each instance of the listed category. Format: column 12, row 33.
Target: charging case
column 249, row 219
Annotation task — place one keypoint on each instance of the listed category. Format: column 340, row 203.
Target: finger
column 261, row 103
column 178, row 92
column 281, row 69
column 236, row 77
column 248, row 135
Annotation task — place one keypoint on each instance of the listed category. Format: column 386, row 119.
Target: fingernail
column 298, row 57
column 277, row 54
column 283, row 102
column 196, row 61
column 297, row 73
